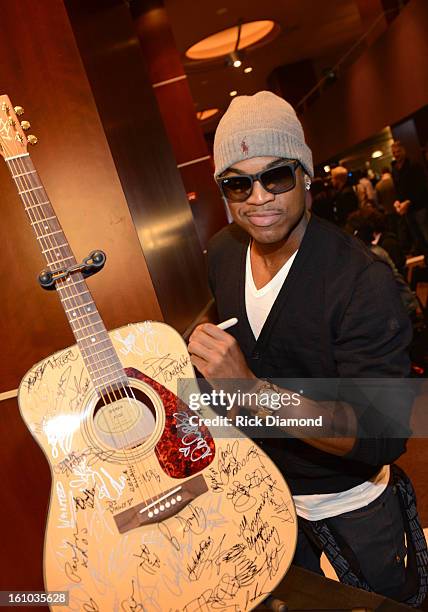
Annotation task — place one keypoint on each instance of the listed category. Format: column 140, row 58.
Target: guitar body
column 147, row 511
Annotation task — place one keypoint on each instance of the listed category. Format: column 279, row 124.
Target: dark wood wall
column 145, row 164
column 177, row 108
column 41, row 69
column 387, row 83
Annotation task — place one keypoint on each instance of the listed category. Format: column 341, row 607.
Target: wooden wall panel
column 41, row 70
column 143, row 156
column 208, row 207
column 387, row 83
column 25, row 478
column 178, row 112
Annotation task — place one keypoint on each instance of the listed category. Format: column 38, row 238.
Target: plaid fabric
column 344, row 561
column 414, row 532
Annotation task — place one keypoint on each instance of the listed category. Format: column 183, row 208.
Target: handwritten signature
column 195, row 447
column 166, row 366
column 53, row 362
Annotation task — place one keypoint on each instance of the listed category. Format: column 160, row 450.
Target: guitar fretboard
column 100, row 357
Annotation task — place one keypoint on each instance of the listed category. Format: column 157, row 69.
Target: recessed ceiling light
column 326, row 169
column 376, row 154
column 224, row 42
column 206, row 114
column 248, row 69
column 233, row 93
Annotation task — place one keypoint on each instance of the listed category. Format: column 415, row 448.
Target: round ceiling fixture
column 224, row 42
column 203, row 115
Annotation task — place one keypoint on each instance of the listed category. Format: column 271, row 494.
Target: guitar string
column 34, row 200
column 57, row 249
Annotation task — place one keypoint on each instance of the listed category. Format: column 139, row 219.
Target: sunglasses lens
column 236, row 188
column 279, row 179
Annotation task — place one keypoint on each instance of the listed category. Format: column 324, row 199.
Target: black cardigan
column 338, row 315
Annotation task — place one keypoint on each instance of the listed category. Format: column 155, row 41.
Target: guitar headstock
column 12, row 138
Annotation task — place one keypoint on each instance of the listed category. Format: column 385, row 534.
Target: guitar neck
column 100, row 357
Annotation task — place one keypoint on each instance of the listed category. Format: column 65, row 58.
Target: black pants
column 375, row 535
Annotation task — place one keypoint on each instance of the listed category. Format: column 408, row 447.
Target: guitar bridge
column 166, row 504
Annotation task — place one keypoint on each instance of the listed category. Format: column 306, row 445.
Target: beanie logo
column 244, row 147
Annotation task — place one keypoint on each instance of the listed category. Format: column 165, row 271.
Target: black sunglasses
column 278, row 179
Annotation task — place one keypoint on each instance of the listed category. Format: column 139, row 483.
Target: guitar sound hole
column 125, row 422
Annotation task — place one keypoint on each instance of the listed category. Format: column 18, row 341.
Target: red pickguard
column 171, row 459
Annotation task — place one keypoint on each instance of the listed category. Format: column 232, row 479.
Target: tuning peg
column 5, row 107
column 25, row 125
column 32, row 139
column 19, row 110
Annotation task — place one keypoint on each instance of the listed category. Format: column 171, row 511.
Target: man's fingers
column 199, row 363
column 212, row 338
column 214, row 332
column 203, row 339
column 199, row 348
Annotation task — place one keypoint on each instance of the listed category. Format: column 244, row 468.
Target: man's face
column 398, row 152
column 268, row 218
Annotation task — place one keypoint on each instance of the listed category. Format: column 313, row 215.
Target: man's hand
column 217, row 355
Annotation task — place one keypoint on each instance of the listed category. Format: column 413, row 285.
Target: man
column 311, row 302
column 344, row 199
column 412, row 203
column 364, row 189
column 386, row 197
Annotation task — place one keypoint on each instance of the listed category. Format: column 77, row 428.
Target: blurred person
column 412, row 197
column 344, row 199
column 384, row 237
column 367, row 225
column 386, row 197
column 365, row 191
column 322, row 204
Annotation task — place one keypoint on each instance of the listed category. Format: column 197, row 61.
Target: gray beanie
column 262, row 125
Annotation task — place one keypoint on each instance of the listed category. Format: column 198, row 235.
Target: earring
column 307, row 182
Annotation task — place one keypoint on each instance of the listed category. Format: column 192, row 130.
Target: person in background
column 312, row 303
column 344, row 199
column 386, row 197
column 364, row 189
column 412, row 196
column 368, row 225
column 322, row 205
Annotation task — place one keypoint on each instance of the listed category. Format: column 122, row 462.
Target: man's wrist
column 260, row 398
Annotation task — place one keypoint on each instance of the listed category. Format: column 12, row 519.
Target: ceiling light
column 233, row 93
column 376, row 154
column 235, row 59
column 248, row 69
column 326, row 169
column 206, row 114
column 224, row 42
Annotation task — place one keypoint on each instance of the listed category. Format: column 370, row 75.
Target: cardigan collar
column 304, row 252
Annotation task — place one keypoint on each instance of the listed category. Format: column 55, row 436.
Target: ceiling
column 310, row 29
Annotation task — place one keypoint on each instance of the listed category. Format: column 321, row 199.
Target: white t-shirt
column 258, row 303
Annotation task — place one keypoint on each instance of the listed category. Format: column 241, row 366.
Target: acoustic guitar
column 148, row 512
